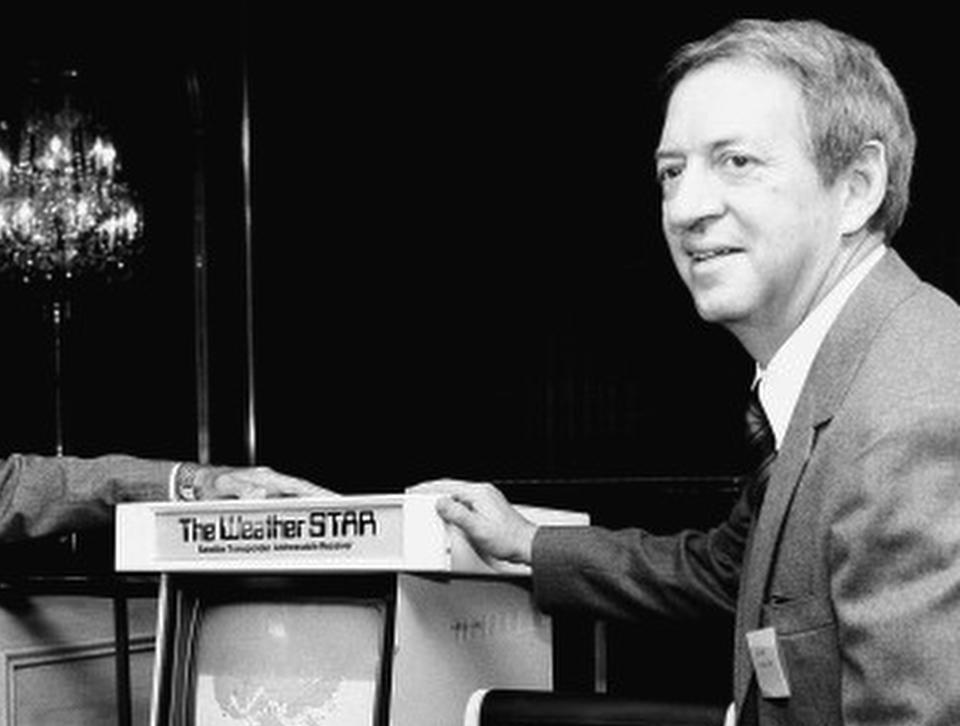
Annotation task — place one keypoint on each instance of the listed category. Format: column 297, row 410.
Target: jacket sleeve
column 618, row 574
column 47, row 495
column 895, row 570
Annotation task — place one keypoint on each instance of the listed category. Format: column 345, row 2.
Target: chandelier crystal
column 63, row 208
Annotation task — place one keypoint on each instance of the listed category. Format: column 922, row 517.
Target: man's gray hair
column 850, row 97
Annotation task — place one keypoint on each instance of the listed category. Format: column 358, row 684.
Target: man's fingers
column 450, row 509
column 291, row 485
column 262, row 482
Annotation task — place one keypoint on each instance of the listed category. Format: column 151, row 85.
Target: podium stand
column 363, row 610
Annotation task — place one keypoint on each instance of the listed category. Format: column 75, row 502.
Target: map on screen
column 288, row 664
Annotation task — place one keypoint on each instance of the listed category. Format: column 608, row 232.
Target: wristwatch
column 186, row 481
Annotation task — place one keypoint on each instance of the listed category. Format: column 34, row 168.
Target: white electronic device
column 353, row 610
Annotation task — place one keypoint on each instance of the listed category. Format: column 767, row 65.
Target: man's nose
column 694, row 198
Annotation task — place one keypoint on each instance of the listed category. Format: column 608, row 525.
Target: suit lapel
column 831, row 375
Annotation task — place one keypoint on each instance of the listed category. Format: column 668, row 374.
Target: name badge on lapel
column 767, row 663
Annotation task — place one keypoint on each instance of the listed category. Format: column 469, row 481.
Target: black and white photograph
column 494, row 365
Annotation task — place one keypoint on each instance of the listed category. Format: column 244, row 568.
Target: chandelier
column 63, row 208
column 64, row 211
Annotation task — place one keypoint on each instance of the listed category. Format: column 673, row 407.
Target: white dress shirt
column 782, row 379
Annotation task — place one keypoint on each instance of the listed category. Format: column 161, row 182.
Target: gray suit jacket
column 855, row 556
column 47, row 495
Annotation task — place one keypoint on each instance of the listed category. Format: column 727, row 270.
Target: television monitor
column 363, row 611
column 275, row 651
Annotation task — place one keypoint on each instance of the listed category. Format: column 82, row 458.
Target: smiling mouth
column 704, row 255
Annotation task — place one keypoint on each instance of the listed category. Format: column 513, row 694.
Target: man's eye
column 737, row 162
column 667, row 174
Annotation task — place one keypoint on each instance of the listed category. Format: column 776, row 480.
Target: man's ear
column 866, row 186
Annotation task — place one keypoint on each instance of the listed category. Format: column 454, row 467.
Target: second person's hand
column 492, row 525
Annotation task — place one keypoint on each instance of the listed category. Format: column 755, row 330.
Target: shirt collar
column 782, row 380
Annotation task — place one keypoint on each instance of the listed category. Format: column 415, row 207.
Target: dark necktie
column 761, row 448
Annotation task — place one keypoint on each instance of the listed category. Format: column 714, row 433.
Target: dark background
column 458, row 266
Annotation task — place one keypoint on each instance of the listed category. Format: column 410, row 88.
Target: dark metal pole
column 57, row 312
column 201, row 333
column 251, row 422
column 121, row 628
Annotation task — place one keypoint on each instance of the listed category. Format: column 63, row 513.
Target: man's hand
column 493, row 526
column 218, row 482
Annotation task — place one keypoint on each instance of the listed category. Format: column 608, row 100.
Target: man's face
column 750, row 226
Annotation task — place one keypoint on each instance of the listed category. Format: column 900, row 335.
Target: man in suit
column 785, row 159
column 42, row 496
